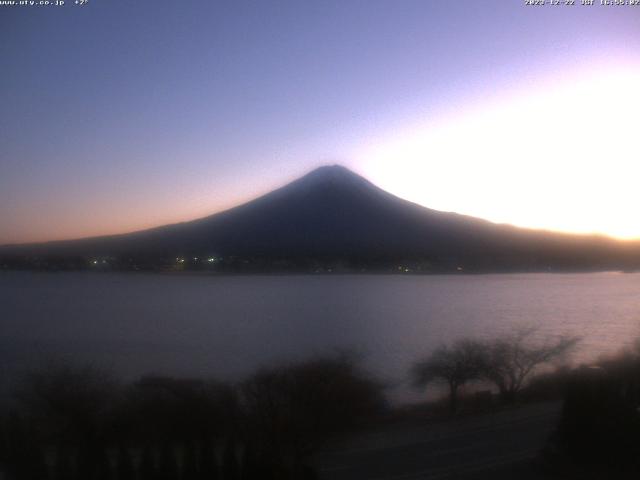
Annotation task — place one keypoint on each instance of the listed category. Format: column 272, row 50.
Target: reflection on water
column 226, row 326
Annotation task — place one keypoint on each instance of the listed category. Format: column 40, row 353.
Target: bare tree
column 454, row 365
column 293, row 410
column 511, row 359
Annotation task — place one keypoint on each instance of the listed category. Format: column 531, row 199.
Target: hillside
column 332, row 216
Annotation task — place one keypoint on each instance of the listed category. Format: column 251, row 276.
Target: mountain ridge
column 333, row 215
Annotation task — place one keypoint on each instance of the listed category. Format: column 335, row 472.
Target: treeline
column 221, row 264
column 257, row 264
column 598, row 435
column 506, row 362
column 81, row 424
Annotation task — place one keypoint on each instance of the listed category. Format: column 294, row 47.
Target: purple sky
column 126, row 114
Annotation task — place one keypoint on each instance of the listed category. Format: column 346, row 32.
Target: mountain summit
column 333, row 216
column 331, row 173
column 331, row 177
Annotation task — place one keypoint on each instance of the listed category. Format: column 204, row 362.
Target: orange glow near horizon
column 558, row 155
column 115, row 218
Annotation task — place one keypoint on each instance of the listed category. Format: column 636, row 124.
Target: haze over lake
column 227, row 326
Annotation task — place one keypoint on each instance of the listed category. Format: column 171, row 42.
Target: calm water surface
column 227, row 326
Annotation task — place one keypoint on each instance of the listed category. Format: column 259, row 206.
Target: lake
column 226, row 326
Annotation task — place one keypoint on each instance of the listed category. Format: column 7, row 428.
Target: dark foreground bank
column 500, row 444
column 322, row 418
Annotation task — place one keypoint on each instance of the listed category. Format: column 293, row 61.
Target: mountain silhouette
column 334, row 215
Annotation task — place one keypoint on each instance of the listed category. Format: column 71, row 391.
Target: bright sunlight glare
column 560, row 155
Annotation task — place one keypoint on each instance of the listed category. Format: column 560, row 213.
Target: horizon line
column 331, row 165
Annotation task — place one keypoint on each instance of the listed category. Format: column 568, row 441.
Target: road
column 494, row 445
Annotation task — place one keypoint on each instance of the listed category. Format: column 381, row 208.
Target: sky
column 119, row 115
